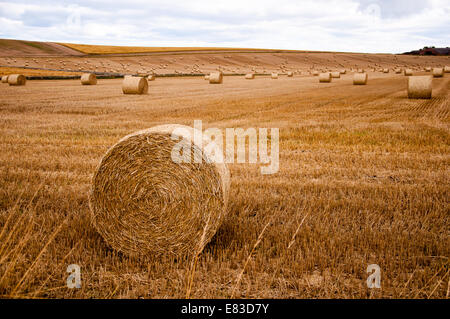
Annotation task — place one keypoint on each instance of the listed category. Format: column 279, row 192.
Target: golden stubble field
column 363, row 180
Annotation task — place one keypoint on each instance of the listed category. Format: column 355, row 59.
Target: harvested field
column 363, row 180
column 36, row 72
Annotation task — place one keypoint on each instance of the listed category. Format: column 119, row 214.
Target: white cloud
column 335, row 25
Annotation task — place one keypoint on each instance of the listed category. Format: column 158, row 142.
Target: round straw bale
column 134, row 85
column 447, row 69
column 408, row 72
column 385, row 70
column 207, row 77
column 88, row 79
column 438, row 72
column 360, row 79
column 428, row 69
column 216, row 78
column 274, row 76
column 336, row 75
column 398, row 71
column 315, row 73
column 151, row 77
column 16, row 79
column 360, row 71
column 420, row 87
column 325, row 77
column 146, row 199
column 250, row 76
column 290, row 74
column 343, row 71
column 5, row 79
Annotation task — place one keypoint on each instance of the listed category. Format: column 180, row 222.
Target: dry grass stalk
column 258, row 241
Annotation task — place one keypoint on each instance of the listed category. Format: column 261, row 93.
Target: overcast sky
column 334, row 25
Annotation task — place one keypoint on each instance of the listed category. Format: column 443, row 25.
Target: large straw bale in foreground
column 420, row 87
column 216, row 78
column 88, row 79
column 17, row 79
column 360, row 79
column 145, row 202
column 134, row 85
column 325, row 77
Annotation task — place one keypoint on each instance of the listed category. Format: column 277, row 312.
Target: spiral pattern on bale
column 145, row 203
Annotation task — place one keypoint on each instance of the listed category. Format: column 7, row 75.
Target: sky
column 372, row 26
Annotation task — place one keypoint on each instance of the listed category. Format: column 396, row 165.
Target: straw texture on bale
column 89, row 79
column 420, row 87
column 216, row 78
column 408, row 72
column 274, row 76
column 17, row 79
column 143, row 202
column 250, row 76
column 134, row 85
column 325, row 77
column 5, row 79
column 335, row 75
column 438, row 72
column 360, row 79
